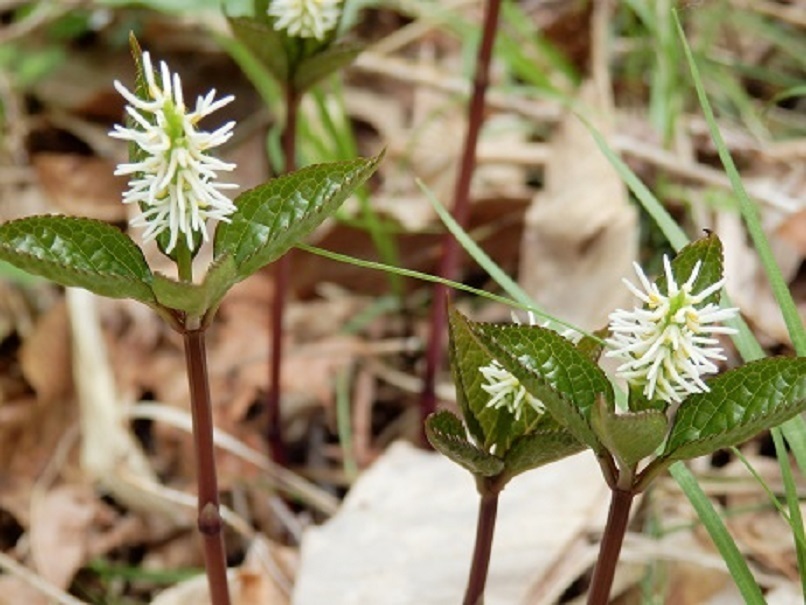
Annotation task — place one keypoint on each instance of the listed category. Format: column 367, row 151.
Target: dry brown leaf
column 747, row 283
column 262, row 579
column 61, row 523
column 580, row 235
column 45, row 356
column 81, row 185
column 14, row 591
column 793, row 231
column 412, row 514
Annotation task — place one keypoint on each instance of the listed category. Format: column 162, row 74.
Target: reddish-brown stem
column 449, row 261
column 609, row 549
column 282, row 269
column 209, row 519
column 485, row 528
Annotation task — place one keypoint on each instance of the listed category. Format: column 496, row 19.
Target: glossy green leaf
column 196, row 299
column 447, row 434
column 741, row 403
column 538, row 449
column 638, row 402
column 265, row 43
column 78, row 252
column 629, row 436
column 708, row 251
column 552, row 369
column 318, row 66
column 489, row 426
column 592, row 347
column 271, row 218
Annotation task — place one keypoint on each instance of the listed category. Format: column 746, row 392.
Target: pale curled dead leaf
column 580, row 234
column 746, row 280
column 81, row 186
column 45, row 356
column 385, row 535
column 108, row 449
column 61, row 523
column 262, row 579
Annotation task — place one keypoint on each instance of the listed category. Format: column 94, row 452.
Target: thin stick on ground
column 282, row 269
column 449, row 262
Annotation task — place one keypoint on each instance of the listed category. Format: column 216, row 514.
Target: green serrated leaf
column 638, row 402
column 322, row 64
column 489, row 426
column 553, row 370
column 708, row 251
column 221, row 276
column 630, row 436
column 447, row 434
column 741, row 403
column 273, row 217
column 538, row 449
column 196, row 299
column 136, row 153
column 182, row 296
column 78, row 252
column 592, row 347
column 264, row 42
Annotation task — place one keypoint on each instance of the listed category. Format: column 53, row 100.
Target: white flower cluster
column 305, row 18
column 504, row 389
column 668, row 344
column 174, row 181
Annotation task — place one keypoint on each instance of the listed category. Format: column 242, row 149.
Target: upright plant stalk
column 209, row 520
column 485, row 528
column 449, row 261
column 282, row 270
column 201, row 409
column 617, row 518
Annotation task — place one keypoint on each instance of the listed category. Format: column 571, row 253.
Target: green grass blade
column 259, row 76
column 800, row 544
column 508, row 284
column 746, row 343
column 668, row 226
column 368, row 264
column 748, row 209
column 712, row 522
column 795, row 429
column 795, row 519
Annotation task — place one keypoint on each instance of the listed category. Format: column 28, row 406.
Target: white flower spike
column 174, row 180
column 305, row 18
column 668, row 343
column 506, row 391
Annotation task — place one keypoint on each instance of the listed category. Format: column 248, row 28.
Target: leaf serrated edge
column 145, row 285
column 791, row 410
column 589, row 436
column 365, row 171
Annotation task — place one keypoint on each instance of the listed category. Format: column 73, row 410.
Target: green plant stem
column 282, row 270
column 449, row 261
column 615, row 528
column 209, row 519
column 485, row 528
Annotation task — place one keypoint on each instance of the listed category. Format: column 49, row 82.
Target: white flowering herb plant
column 173, row 179
column 297, row 41
column 676, row 407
